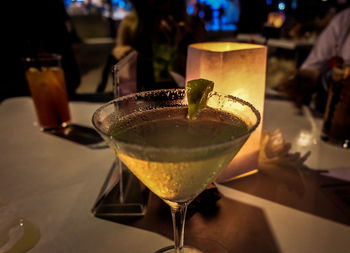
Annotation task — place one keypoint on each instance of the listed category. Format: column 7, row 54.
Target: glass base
column 54, row 128
column 341, row 143
column 79, row 134
column 186, row 249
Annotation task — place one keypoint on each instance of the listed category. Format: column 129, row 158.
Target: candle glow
column 236, row 69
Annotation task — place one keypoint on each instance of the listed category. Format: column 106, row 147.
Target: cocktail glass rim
column 175, row 149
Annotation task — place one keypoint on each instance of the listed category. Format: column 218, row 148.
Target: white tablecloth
column 53, row 183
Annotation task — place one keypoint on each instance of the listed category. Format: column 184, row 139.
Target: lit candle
column 236, row 69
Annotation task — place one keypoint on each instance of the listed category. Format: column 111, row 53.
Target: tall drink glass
column 336, row 123
column 47, row 85
column 176, row 158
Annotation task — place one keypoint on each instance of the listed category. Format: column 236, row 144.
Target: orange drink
column 48, row 89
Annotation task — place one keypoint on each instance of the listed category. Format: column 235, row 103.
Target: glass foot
column 186, row 249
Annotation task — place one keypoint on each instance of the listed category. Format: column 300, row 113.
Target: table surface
column 289, row 44
column 53, row 183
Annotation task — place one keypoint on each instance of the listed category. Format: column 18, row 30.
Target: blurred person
column 160, row 31
column 309, row 19
column 329, row 54
column 333, row 41
column 208, row 13
column 221, row 15
column 41, row 27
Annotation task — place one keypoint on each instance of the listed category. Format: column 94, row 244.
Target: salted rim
column 175, row 149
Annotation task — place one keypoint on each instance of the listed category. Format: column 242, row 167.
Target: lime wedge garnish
column 197, row 95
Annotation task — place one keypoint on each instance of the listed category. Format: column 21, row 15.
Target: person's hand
column 339, row 73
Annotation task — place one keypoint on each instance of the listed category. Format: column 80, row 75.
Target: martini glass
column 176, row 158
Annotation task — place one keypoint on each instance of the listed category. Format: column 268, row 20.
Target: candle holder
column 237, row 69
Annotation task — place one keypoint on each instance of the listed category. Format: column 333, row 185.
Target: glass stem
column 178, row 213
column 121, row 182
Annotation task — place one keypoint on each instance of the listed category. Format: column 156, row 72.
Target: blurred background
column 88, row 35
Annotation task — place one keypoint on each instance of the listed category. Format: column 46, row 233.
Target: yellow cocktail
column 175, row 157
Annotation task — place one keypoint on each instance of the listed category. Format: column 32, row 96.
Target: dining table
column 49, row 184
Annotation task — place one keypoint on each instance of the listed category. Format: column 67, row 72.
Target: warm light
column 276, row 19
column 218, row 47
column 237, row 69
column 305, row 139
column 246, row 174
